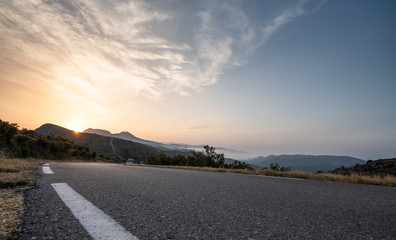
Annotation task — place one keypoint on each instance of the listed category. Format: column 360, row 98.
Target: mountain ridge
column 122, row 135
column 111, row 148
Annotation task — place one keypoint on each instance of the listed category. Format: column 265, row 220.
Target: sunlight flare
column 76, row 126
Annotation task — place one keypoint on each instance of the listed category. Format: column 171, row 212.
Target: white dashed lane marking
column 95, row 221
column 47, row 170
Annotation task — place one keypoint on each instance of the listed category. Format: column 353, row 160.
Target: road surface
column 154, row 203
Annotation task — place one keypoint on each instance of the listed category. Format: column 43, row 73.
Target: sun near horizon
column 75, row 126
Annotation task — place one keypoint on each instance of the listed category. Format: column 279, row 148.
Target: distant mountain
column 112, row 148
column 310, row 163
column 99, row 132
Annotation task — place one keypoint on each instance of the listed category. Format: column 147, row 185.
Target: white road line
column 46, row 164
column 265, row 176
column 95, row 221
column 47, row 170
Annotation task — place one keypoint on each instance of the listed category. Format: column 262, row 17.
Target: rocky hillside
column 380, row 167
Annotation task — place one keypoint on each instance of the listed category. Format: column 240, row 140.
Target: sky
column 258, row 76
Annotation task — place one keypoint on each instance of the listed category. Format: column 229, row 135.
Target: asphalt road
column 153, row 203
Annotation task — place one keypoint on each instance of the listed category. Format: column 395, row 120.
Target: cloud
column 109, row 51
column 199, row 127
column 300, row 8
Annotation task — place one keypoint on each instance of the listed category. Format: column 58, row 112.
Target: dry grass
column 17, row 172
column 15, row 175
column 389, row 181
column 11, row 210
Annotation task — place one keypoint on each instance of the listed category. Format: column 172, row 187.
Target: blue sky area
column 264, row 77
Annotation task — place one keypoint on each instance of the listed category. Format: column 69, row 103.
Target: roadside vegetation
column 207, row 158
column 386, row 180
column 381, row 167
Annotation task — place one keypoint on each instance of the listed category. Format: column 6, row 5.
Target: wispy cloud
column 116, row 50
column 199, row 127
column 300, row 8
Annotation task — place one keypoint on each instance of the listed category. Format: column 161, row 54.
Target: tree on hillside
column 216, row 158
column 207, row 158
column 7, row 131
